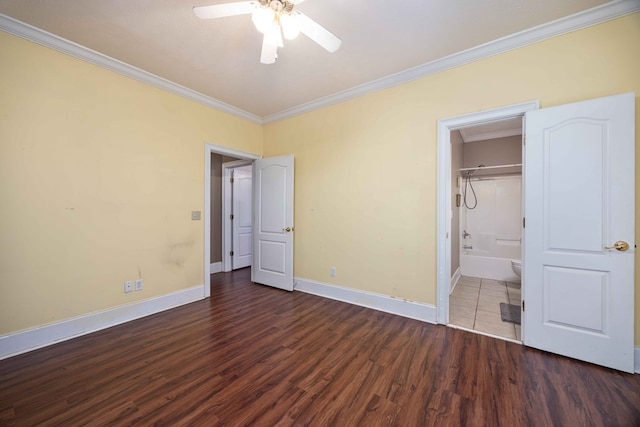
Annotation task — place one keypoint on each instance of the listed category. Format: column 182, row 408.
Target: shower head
column 471, row 172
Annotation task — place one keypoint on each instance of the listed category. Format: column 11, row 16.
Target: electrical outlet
column 139, row 284
column 128, row 286
column 333, row 272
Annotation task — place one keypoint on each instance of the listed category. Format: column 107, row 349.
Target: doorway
column 486, row 228
column 449, row 237
column 272, row 251
column 208, row 151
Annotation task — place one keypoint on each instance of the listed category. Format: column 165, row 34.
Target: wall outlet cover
column 139, row 284
column 128, row 286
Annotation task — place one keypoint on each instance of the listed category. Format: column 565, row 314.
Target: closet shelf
column 490, row 167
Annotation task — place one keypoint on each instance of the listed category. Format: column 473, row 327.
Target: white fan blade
column 226, row 9
column 295, row 2
column 318, row 33
column 269, row 51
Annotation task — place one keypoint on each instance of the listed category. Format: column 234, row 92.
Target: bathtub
column 473, row 265
column 488, row 257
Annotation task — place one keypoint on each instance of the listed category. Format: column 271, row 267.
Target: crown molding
column 574, row 22
column 44, row 38
column 560, row 26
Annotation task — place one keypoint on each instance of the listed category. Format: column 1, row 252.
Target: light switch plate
column 195, row 215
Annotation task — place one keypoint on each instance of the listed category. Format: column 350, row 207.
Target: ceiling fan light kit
column 273, row 18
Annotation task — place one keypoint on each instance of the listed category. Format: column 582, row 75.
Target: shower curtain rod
column 489, row 167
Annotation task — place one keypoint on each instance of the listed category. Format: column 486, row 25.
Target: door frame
column 443, row 250
column 210, row 148
column 227, row 207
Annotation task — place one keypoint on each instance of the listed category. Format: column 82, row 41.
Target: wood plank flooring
column 253, row 355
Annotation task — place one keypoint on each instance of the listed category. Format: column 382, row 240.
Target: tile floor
column 475, row 304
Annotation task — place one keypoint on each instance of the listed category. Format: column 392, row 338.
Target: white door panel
column 242, row 217
column 273, row 222
column 579, row 198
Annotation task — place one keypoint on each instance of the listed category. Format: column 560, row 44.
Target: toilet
column 516, row 266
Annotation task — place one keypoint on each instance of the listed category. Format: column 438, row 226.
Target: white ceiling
column 492, row 130
column 221, row 58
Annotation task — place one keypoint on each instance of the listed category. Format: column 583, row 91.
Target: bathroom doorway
column 480, row 221
column 486, row 228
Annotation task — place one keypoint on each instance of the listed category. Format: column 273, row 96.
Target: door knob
column 619, row 245
column 288, row 229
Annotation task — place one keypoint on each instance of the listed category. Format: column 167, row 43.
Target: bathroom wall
column 493, row 152
column 456, row 163
column 495, row 228
column 495, row 223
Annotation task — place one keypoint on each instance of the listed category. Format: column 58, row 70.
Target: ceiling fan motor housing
column 279, row 5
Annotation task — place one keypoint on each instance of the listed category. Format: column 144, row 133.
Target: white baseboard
column 637, row 360
column 454, row 280
column 215, row 267
column 388, row 304
column 45, row 335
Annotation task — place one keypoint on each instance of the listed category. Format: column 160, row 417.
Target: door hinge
column 231, row 216
column 524, row 139
column 522, row 305
column 230, row 253
column 523, row 222
column 231, row 180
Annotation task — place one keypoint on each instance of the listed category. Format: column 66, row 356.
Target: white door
column 242, row 218
column 579, row 201
column 273, row 222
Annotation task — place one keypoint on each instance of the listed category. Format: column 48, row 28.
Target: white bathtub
column 473, row 265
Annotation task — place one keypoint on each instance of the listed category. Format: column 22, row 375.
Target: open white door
column 579, row 208
column 273, row 222
column 242, row 218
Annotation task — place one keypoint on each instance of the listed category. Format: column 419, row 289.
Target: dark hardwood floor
column 253, row 355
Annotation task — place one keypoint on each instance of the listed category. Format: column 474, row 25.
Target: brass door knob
column 619, row 246
column 288, row 229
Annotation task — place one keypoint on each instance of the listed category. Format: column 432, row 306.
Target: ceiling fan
column 273, row 18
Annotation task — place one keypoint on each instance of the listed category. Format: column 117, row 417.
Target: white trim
column 225, row 151
column 637, row 360
column 45, row 335
column 445, row 126
column 593, row 16
column 401, row 307
column 454, row 279
column 68, row 47
column 560, row 26
column 215, row 267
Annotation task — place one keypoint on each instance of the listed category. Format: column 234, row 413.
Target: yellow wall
column 366, row 168
column 98, row 176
